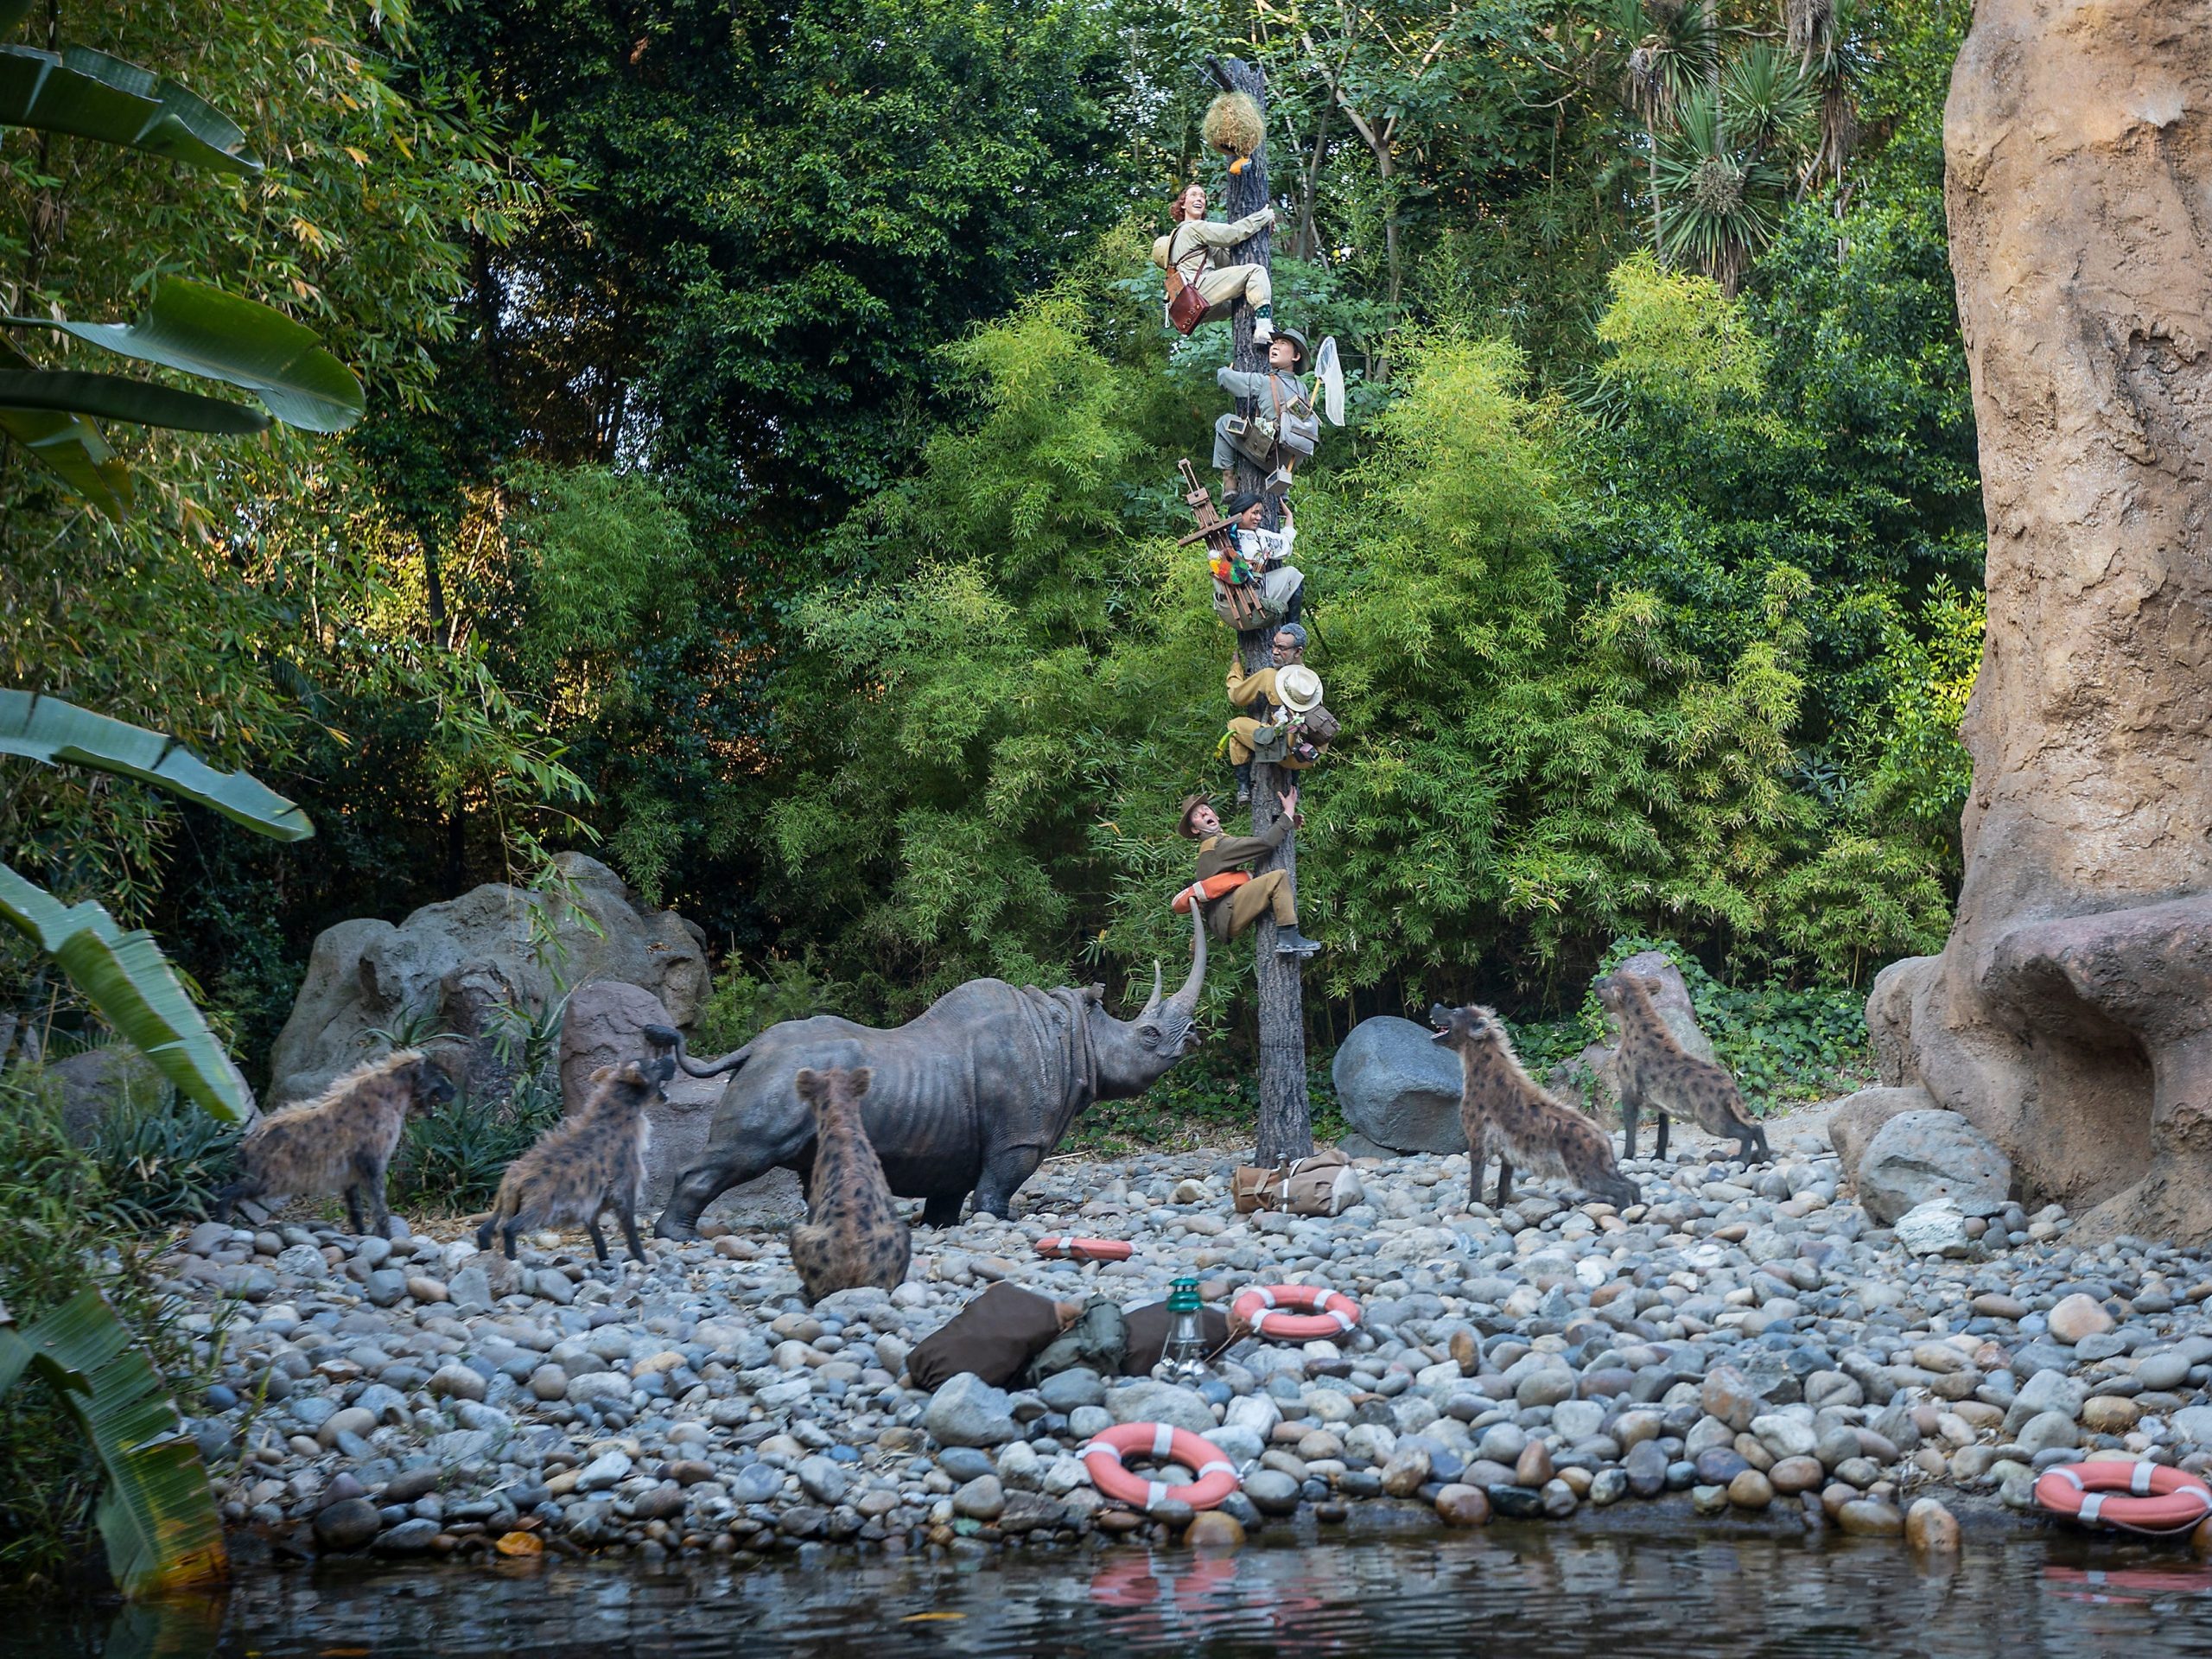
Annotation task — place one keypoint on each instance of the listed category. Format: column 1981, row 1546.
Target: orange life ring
column 1212, row 888
column 1067, row 1247
column 2151, row 1497
column 1332, row 1312
column 1103, row 1454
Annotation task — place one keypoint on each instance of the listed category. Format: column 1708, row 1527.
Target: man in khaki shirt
column 1267, row 894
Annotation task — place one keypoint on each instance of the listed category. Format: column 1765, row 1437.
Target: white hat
column 1298, row 688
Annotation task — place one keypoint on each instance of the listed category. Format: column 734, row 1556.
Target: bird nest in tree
column 1234, row 124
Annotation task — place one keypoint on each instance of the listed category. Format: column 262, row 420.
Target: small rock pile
column 1748, row 1339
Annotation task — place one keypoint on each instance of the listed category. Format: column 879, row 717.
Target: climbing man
column 1284, row 429
column 1235, row 905
column 1187, row 251
column 1265, row 553
column 1285, row 716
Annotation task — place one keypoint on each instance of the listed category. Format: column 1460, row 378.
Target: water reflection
column 1526, row 1592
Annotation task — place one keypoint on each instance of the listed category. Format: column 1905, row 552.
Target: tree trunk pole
column 1286, row 1129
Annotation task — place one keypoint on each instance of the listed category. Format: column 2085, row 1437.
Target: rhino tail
column 667, row 1037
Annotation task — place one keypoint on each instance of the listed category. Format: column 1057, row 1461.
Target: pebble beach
column 1745, row 1340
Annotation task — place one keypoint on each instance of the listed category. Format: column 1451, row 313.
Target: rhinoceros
column 968, row 1096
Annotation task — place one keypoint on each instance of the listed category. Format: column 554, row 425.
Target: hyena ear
column 808, row 1082
column 856, row 1081
column 1651, row 983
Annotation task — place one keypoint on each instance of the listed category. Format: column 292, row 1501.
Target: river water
column 1527, row 1592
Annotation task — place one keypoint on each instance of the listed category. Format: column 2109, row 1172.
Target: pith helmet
column 1298, row 688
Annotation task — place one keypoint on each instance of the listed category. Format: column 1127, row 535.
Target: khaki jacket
column 1179, row 249
column 1220, row 853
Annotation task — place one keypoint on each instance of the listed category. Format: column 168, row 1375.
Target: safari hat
column 1190, row 804
column 1298, row 688
column 1305, row 354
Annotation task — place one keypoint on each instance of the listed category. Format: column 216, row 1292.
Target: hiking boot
column 1263, row 328
column 1289, row 941
column 1245, row 784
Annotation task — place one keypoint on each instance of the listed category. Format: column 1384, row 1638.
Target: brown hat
column 1190, row 804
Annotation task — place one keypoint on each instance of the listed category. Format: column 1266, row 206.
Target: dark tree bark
column 1286, row 1129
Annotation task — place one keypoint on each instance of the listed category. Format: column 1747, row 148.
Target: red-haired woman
column 1187, row 250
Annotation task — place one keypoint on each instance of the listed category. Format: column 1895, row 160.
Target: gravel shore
column 1749, row 1338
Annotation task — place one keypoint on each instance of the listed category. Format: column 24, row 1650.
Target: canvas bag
column 1297, row 432
column 993, row 1337
column 1324, row 1185
column 1098, row 1340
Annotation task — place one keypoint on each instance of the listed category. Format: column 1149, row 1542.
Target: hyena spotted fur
column 1656, row 1071
column 852, row 1234
column 1503, row 1111
column 584, row 1165
column 341, row 1140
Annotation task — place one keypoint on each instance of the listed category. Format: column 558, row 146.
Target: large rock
column 1399, row 1088
column 1917, row 1157
column 1592, row 1078
column 116, row 1080
column 2071, row 1014
column 604, row 1024
column 462, row 962
column 1858, row 1118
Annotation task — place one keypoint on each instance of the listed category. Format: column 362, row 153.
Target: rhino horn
column 1187, row 998
column 1151, row 1008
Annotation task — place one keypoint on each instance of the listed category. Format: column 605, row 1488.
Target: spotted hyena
column 852, row 1234
column 586, row 1164
column 1504, row 1111
column 341, row 1140
column 1656, row 1071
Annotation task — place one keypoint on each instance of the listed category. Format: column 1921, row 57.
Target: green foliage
column 60, row 1223
column 155, row 1513
column 451, row 1157
column 743, row 1003
column 1209, row 1100
column 162, row 1160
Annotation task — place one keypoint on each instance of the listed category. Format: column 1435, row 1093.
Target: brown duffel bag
column 1324, row 1185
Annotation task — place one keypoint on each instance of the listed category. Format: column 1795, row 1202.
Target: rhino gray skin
column 970, row 1096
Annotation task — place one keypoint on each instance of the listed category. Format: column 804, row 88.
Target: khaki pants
column 1224, row 285
column 1240, row 747
column 1227, row 917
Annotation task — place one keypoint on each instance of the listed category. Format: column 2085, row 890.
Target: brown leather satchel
column 1186, row 306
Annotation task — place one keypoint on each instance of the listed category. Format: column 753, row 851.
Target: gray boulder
column 967, row 1411
column 1917, row 1156
column 101, row 1083
column 603, row 1026
column 1398, row 1089
column 1858, row 1118
column 463, row 961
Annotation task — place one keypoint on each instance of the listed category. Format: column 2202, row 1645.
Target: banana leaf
column 125, row 976
column 204, row 331
column 156, row 1513
column 90, row 95
column 67, row 446
column 60, row 733
column 117, row 397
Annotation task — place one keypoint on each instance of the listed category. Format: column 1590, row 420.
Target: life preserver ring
column 1332, row 1312
column 2135, row 1497
column 1066, row 1247
column 1104, row 1454
column 1212, row 888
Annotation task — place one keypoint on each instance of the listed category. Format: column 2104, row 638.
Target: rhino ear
column 1094, row 993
